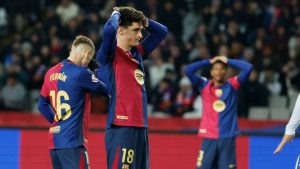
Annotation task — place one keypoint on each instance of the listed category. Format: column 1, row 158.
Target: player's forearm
column 193, row 67
column 112, row 24
column 157, row 33
column 157, row 29
column 243, row 66
column 294, row 120
column 101, row 89
column 190, row 70
column 109, row 38
column 45, row 109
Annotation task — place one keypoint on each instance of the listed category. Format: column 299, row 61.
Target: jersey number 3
column 59, row 106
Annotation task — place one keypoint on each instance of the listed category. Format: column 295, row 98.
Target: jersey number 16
column 59, row 106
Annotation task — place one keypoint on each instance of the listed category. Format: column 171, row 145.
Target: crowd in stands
column 36, row 35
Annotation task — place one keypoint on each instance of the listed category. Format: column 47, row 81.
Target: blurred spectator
column 169, row 15
column 67, row 10
column 185, row 97
column 3, row 21
column 13, row 94
column 197, row 106
column 158, row 69
column 253, row 93
column 106, row 11
column 163, row 97
column 270, row 79
column 190, row 22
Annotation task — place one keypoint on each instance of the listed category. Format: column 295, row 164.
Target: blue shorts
column 70, row 158
column 127, row 147
column 217, row 154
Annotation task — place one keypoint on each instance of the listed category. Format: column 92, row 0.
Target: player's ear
column 121, row 30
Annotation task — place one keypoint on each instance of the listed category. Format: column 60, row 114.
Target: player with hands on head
column 121, row 56
column 66, row 103
column 218, row 126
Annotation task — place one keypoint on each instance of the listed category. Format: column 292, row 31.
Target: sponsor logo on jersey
column 94, row 79
column 139, row 76
column 219, row 105
column 202, row 130
column 218, row 92
column 122, row 117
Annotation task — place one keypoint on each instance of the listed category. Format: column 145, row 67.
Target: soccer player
column 65, row 102
column 290, row 130
column 218, row 126
column 121, row 58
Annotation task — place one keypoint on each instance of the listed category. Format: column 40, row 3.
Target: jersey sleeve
column 190, row 71
column 44, row 105
column 245, row 68
column 294, row 120
column 109, row 42
column 234, row 82
column 88, row 80
column 44, row 91
column 45, row 108
column 157, row 32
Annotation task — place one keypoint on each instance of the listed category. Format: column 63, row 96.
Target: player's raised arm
column 243, row 66
column 190, row 71
column 89, row 81
column 290, row 127
column 109, row 42
column 157, row 33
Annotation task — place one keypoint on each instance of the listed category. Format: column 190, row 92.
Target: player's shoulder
column 54, row 69
column 233, row 81
column 77, row 71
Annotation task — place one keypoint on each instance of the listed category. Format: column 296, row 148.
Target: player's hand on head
column 116, row 10
column 213, row 60
column 223, row 59
column 286, row 139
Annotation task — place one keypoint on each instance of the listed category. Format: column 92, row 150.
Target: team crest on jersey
column 94, row 79
column 219, row 105
column 218, row 92
column 139, row 76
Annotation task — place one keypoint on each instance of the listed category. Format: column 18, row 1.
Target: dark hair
column 130, row 15
column 218, row 61
column 83, row 40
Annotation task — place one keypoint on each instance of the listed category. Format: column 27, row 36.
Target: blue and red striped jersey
column 66, row 104
column 123, row 73
column 219, row 114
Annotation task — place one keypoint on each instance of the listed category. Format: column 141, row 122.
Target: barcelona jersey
column 66, row 104
column 123, row 73
column 219, row 117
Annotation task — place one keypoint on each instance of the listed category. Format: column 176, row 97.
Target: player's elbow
column 186, row 71
column 102, row 89
column 249, row 67
column 164, row 30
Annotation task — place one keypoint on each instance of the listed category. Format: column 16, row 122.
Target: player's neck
column 216, row 83
column 73, row 59
column 123, row 46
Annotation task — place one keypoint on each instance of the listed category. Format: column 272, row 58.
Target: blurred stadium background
column 36, row 34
